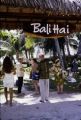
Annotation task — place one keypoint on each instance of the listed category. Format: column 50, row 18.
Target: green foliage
column 4, row 34
column 7, row 36
column 29, row 42
column 13, row 39
column 2, row 53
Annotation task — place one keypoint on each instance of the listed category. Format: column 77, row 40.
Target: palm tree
column 29, row 43
column 8, row 38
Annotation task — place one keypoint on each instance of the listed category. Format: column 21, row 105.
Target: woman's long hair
column 7, row 65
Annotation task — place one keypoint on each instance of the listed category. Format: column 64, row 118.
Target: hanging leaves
column 29, row 42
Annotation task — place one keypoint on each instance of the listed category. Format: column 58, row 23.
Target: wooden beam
column 38, row 16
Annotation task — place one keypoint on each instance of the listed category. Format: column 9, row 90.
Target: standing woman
column 35, row 74
column 58, row 76
column 8, row 80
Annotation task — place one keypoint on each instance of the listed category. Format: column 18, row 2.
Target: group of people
column 39, row 74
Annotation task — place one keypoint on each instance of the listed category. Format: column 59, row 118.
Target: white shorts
column 8, row 80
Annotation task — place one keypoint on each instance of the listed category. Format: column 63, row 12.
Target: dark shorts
column 35, row 76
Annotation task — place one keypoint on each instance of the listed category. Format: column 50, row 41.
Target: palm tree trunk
column 17, row 54
column 59, row 53
column 79, row 48
column 67, row 44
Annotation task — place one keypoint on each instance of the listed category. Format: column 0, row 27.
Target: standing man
column 44, row 78
column 20, row 74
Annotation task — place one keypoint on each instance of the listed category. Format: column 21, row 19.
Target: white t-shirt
column 19, row 71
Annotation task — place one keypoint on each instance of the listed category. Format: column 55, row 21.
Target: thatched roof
column 19, row 13
column 57, row 6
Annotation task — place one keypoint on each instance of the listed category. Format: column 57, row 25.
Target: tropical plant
column 29, row 43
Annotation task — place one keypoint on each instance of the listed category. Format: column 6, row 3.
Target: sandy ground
column 66, row 106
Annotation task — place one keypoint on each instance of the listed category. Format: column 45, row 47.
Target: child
column 8, row 80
